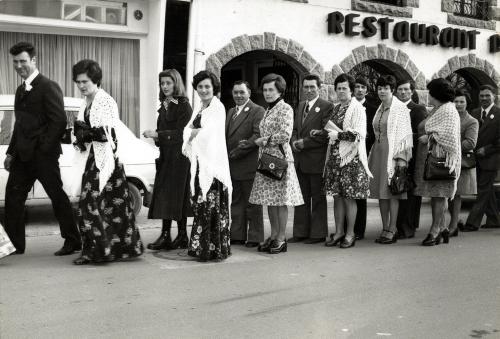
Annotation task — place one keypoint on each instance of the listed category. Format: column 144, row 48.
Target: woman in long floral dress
column 105, row 215
column 205, row 146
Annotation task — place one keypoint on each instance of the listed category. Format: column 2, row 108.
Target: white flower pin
column 491, row 116
column 246, row 109
column 28, row 87
column 316, row 109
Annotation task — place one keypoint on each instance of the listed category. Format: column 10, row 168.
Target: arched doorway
column 253, row 66
column 470, row 79
column 372, row 69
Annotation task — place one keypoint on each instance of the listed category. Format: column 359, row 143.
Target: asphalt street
column 402, row 290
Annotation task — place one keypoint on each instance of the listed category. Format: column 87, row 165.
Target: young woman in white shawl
column 441, row 135
column 205, row 146
column 346, row 174
column 105, row 214
column 392, row 148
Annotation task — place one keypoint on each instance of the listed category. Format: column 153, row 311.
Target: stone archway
column 385, row 55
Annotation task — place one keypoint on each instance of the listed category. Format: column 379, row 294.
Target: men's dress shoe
column 251, row 244
column 469, row 228
column 334, row 242
column 314, row 240
column 68, row 249
column 296, row 239
column 490, row 226
column 348, row 243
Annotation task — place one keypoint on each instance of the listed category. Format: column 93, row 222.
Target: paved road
column 370, row 291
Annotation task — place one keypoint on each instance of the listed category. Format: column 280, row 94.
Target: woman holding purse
column 440, row 138
column 276, row 130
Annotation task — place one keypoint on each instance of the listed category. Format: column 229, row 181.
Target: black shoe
column 251, row 244
column 68, row 249
column 181, row 240
column 385, row 240
column 359, row 237
column 17, row 252
column 264, row 247
column 348, row 243
column 446, row 236
column 460, row 226
column 490, row 226
column 164, row 242
column 469, row 228
column 296, row 239
column 431, row 240
column 334, row 242
column 277, row 248
column 454, row 233
column 314, row 240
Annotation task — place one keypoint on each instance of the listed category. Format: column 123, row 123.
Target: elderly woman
column 276, row 130
column 392, row 149
column 466, row 184
column 440, row 135
column 105, row 215
column 171, row 194
column 205, row 146
column 346, row 173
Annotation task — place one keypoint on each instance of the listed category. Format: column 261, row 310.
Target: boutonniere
column 316, row 109
column 491, row 116
column 246, row 109
column 28, row 87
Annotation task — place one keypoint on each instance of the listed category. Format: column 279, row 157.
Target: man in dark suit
column 242, row 128
column 34, row 150
column 488, row 162
column 310, row 222
column 409, row 209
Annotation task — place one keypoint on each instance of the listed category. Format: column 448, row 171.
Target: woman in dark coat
column 171, row 193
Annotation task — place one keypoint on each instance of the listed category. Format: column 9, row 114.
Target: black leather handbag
column 468, row 160
column 435, row 169
column 272, row 166
column 401, row 181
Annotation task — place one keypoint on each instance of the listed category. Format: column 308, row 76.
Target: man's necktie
column 483, row 115
column 306, row 112
column 238, row 110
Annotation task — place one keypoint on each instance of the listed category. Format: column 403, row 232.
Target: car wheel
column 136, row 197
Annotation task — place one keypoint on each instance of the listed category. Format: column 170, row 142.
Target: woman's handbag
column 272, row 166
column 468, row 160
column 435, row 169
column 400, row 182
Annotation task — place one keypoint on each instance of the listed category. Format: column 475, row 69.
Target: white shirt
column 312, row 102
column 30, row 79
column 487, row 110
column 239, row 109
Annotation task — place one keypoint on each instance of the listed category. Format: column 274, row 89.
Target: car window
column 7, row 120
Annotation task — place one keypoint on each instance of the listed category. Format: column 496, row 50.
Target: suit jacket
column 489, row 138
column 371, row 109
column 418, row 113
column 311, row 159
column 40, row 120
column 243, row 162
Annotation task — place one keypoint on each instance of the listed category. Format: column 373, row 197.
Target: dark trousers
column 409, row 215
column 22, row 176
column 486, row 202
column 310, row 220
column 247, row 219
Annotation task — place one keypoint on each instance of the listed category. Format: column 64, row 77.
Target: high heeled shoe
column 431, row 240
column 385, row 240
column 276, row 247
column 446, row 236
column 334, row 242
column 454, row 233
column 264, row 247
column 348, row 243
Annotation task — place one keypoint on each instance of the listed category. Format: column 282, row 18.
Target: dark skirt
column 210, row 234
column 106, row 219
column 171, row 193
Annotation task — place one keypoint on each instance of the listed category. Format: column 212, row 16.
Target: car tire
column 136, row 197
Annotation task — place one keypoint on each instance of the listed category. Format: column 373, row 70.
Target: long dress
column 425, row 188
column 351, row 180
column 377, row 161
column 106, row 219
column 171, row 193
column 210, row 234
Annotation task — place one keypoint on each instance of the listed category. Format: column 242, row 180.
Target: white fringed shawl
column 208, row 149
column 399, row 133
column 355, row 122
column 103, row 113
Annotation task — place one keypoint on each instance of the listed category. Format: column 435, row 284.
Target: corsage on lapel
column 492, row 116
column 246, row 109
column 28, row 87
column 316, row 109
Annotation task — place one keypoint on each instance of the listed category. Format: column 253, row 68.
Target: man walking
column 242, row 128
column 409, row 210
column 34, row 151
column 488, row 162
column 310, row 222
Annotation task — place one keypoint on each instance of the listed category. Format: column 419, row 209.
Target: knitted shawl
column 443, row 127
column 355, row 122
column 399, row 133
column 103, row 113
column 208, row 149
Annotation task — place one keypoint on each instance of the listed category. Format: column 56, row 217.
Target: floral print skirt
column 349, row 181
column 210, row 234
column 106, row 219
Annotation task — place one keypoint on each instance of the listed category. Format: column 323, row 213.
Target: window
column 476, row 9
column 400, row 3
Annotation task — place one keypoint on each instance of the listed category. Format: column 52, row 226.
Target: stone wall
column 385, row 9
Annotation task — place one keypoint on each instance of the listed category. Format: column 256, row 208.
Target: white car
column 139, row 160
